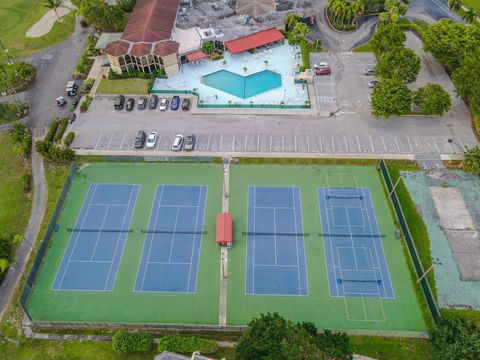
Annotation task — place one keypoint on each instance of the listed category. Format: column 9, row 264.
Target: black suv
column 140, row 139
column 152, row 102
column 119, row 102
column 185, row 104
column 142, row 103
column 130, row 104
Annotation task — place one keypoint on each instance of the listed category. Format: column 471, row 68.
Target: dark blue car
column 175, row 103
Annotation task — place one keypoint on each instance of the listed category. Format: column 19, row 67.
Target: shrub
column 61, row 129
column 43, row 147
column 457, row 338
column 52, row 129
column 87, row 86
column 67, row 141
column 55, row 153
column 471, row 163
column 125, row 342
column 85, row 104
column 23, row 139
column 186, row 345
column 26, row 182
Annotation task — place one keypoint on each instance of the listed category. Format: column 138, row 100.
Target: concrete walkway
column 25, row 248
column 45, row 24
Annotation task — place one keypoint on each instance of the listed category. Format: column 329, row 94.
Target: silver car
column 177, row 143
column 151, row 140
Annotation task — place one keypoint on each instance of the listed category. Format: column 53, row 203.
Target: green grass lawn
column 15, row 204
column 17, row 79
column 8, row 112
column 472, row 3
column 123, row 86
column 17, row 16
column 364, row 48
column 401, row 313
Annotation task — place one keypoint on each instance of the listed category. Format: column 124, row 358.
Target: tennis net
column 187, row 232
column 99, row 230
column 352, row 235
column 344, row 196
column 274, row 233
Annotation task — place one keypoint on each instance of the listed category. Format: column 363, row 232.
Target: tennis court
column 275, row 247
column 354, row 255
column 171, row 249
column 96, row 243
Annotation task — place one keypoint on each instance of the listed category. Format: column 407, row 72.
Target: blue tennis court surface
column 355, row 260
column 171, row 249
column 275, row 248
column 95, row 247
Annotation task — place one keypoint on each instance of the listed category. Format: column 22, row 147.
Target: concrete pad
column 45, row 24
column 458, row 225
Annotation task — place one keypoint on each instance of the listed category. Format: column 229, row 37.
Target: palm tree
column 469, row 16
column 53, row 5
column 455, row 5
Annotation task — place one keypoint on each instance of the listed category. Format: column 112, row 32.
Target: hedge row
column 125, row 342
column 61, row 129
column 52, row 130
column 54, row 152
column 186, row 345
column 69, row 139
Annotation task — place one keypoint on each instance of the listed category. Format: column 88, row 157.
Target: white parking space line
column 308, row 144
column 320, row 142
column 246, row 139
column 398, row 146
column 98, row 140
column 109, row 141
column 436, row 146
column 371, row 143
column 346, row 144
column 333, row 144
column 358, row 143
column 384, row 145
column 123, row 140
column 233, row 142
column 208, row 142
column 221, row 141
column 409, row 143
column 449, row 146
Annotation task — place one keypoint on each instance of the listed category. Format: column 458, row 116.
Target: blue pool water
column 243, row 86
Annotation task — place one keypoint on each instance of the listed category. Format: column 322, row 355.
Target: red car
column 323, row 71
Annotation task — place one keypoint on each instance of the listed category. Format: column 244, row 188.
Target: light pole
column 435, row 261
column 5, row 52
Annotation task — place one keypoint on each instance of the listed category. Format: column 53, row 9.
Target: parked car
column 175, row 103
column 71, row 92
column 323, row 71
column 189, row 143
column 75, row 103
column 152, row 102
column 372, row 84
column 72, row 84
column 61, row 101
column 142, row 103
column 140, row 139
column 151, row 140
column 119, row 102
column 163, row 104
column 368, row 71
column 130, row 104
column 177, row 143
column 186, row 104
column 321, row 64
column 73, row 117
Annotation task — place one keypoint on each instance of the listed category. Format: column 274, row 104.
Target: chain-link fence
column 52, row 226
column 417, row 264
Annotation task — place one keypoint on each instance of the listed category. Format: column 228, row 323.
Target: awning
column 224, row 228
column 195, row 56
column 254, row 40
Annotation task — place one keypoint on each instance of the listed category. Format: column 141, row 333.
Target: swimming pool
column 243, row 86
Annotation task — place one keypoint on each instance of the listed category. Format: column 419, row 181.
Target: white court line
column 274, row 236
column 275, row 265
column 99, row 233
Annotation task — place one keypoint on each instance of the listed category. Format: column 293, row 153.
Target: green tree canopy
column 102, row 16
column 458, row 338
column 449, row 41
column 272, row 337
column 391, row 97
column 386, row 38
column 471, row 163
column 401, row 63
column 300, row 30
column 432, row 99
column 467, row 77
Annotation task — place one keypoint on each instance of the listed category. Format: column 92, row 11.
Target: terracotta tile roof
column 151, row 21
column 166, row 48
column 117, row 48
column 140, row 49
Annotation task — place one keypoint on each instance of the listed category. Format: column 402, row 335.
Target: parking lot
column 103, row 128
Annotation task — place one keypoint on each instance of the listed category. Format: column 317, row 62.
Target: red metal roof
column 151, row 21
column 254, row 40
column 224, row 228
column 117, row 48
column 195, row 56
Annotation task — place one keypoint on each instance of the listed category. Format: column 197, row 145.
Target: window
column 121, row 61
column 144, row 61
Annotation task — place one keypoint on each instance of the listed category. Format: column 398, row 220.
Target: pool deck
column 283, row 59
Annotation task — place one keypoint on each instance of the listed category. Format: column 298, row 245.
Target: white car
column 320, row 65
column 151, row 140
column 163, row 104
column 177, row 143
